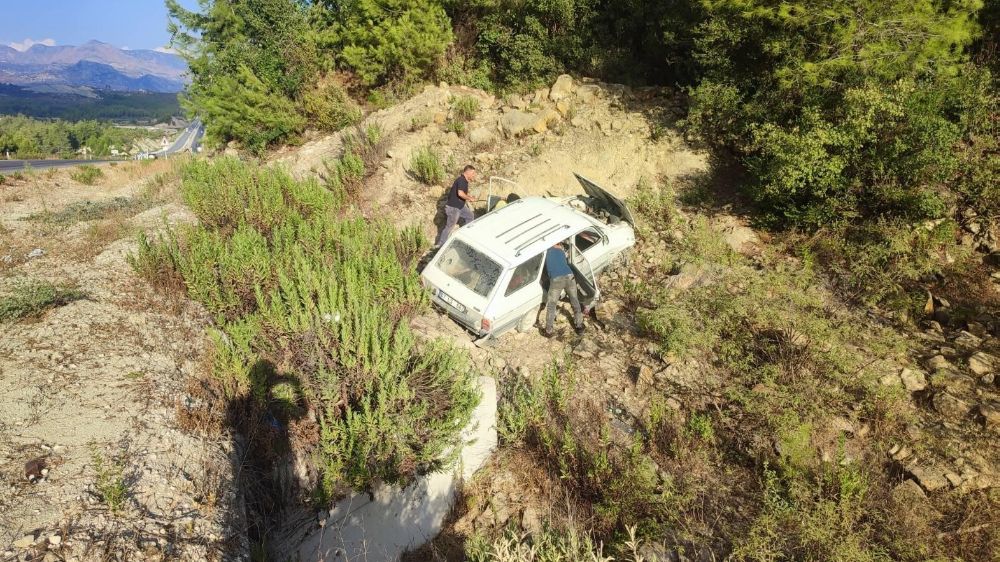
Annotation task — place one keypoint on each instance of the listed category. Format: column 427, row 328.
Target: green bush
column 109, row 482
column 425, row 165
column 87, row 175
column 32, row 298
column 465, row 108
column 305, row 293
column 329, row 108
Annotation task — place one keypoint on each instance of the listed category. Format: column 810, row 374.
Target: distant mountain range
column 94, row 65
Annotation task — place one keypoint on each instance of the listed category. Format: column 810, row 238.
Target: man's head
column 469, row 172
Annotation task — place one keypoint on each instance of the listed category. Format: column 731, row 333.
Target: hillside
column 726, row 401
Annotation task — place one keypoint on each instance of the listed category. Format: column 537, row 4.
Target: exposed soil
column 104, row 377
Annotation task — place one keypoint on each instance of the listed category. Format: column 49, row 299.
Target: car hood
column 606, row 198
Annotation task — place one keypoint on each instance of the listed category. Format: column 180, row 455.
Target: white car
column 489, row 275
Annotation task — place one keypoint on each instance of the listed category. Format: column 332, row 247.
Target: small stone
column 990, row 414
column 929, row 479
column 914, row 381
column 24, row 542
column 55, row 540
column 954, row 479
column 482, row 136
column 36, row 253
column 938, row 362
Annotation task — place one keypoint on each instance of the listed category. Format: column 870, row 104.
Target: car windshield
column 469, row 267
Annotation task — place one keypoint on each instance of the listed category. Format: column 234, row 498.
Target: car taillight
column 485, row 325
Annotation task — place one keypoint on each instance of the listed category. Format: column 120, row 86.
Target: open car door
column 606, row 200
column 586, row 281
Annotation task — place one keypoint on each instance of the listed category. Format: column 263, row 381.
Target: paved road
column 189, row 137
column 10, row 166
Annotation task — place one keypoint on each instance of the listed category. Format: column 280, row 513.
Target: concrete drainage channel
column 388, row 522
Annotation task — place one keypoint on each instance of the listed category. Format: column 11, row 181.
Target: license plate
column 450, row 301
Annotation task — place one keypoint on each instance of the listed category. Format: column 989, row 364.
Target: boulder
column 544, row 119
column 982, row 363
column 516, row 123
column 950, row 407
column 562, row 88
column 929, row 478
column 540, row 96
column 588, row 92
column 518, row 102
column 564, row 107
column 483, row 136
column 737, row 237
column 968, row 340
column 914, row 381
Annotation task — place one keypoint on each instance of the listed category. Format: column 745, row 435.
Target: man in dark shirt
column 561, row 279
column 456, row 209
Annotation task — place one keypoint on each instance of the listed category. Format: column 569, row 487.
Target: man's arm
column 464, row 196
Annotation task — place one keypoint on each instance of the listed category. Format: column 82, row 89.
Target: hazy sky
column 136, row 24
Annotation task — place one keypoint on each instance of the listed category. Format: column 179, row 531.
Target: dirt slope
column 102, row 378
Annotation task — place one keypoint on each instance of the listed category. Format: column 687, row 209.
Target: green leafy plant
column 311, row 305
column 109, row 481
column 465, row 108
column 32, row 298
column 87, row 174
column 425, row 164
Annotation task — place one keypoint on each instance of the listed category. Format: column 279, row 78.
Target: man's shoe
column 547, row 332
column 579, row 330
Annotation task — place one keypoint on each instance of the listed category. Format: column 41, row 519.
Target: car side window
column 586, row 239
column 524, row 275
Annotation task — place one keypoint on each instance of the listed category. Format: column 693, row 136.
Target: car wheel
column 527, row 321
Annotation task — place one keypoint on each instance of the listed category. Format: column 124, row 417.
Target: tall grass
column 302, row 291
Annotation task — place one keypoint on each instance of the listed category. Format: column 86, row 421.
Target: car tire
column 527, row 322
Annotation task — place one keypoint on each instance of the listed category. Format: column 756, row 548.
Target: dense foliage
column 120, row 107
column 23, row 137
column 311, row 306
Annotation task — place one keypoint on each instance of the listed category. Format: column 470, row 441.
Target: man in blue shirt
column 456, row 207
column 561, row 279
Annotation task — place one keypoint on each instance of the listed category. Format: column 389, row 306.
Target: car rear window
column 469, row 267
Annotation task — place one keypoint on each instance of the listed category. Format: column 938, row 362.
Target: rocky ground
column 95, row 460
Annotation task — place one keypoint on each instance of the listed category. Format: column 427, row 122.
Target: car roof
column 524, row 228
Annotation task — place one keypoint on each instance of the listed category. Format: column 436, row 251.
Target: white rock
column 24, row 542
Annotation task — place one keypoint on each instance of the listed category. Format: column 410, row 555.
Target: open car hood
column 610, row 202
